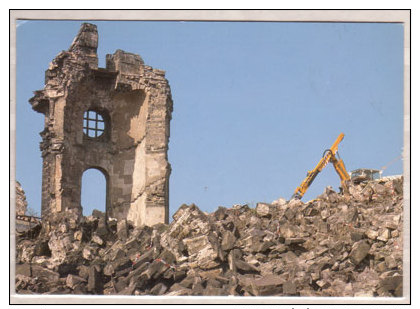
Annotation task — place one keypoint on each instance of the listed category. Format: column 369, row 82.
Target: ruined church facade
column 114, row 119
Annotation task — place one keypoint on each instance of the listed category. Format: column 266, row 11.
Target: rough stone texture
column 21, row 203
column 359, row 251
column 136, row 105
column 325, row 247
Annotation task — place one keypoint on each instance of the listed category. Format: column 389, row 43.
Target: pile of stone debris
column 335, row 245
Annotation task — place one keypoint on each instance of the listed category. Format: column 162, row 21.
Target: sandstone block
column 359, row 251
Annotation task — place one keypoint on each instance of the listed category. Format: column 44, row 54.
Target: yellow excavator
column 330, row 155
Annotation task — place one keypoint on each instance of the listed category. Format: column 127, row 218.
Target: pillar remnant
column 114, row 119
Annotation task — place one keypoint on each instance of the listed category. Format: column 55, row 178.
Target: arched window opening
column 94, row 184
column 93, row 124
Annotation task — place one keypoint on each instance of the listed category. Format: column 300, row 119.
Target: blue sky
column 255, row 103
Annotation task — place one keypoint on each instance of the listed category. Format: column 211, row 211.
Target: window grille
column 93, row 124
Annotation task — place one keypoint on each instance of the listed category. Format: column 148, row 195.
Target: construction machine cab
column 364, row 174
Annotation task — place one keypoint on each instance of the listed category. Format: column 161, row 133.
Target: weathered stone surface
column 98, row 240
column 359, row 252
column 289, row 288
column 264, row 210
column 72, row 281
column 384, row 234
column 268, row 285
column 372, row 234
column 279, row 202
column 159, row 289
column 95, row 283
column 122, row 229
column 42, row 249
column 44, row 274
column 201, row 251
column 88, row 253
column 98, row 214
column 391, row 283
column 59, row 247
column 228, row 241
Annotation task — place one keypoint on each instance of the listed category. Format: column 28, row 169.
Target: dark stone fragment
column 83, row 271
column 289, row 288
column 138, row 271
column 123, row 272
column 117, row 254
column 178, row 290
column 220, row 213
column 156, row 269
column 159, row 289
column 263, row 246
column 42, row 249
column 102, row 229
column 268, row 285
column 121, row 284
column 245, row 267
column 141, row 281
column 356, row 235
column 214, row 291
column 290, row 213
column 95, row 280
column 228, row 240
column 167, row 256
column 359, row 251
column 122, row 229
column 122, row 263
column 129, row 290
column 291, row 241
column 66, row 269
column 179, row 275
column 351, row 214
column 80, row 289
column 197, row 289
column 187, row 282
column 213, row 283
column 98, row 214
column 391, row 283
column 44, row 274
column 23, row 269
column 168, row 274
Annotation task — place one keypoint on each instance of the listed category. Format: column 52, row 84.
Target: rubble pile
column 335, row 245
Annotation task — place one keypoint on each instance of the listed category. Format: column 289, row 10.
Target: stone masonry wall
column 21, row 203
column 134, row 101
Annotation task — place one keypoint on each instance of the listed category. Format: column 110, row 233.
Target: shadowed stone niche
column 115, row 119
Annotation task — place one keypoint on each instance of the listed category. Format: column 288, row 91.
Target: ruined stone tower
column 114, row 119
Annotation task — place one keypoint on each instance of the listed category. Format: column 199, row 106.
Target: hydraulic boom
column 330, row 155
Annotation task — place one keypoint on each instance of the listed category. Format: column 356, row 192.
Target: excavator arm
column 341, row 171
column 328, row 156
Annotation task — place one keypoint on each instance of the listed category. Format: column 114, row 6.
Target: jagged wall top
column 85, row 44
column 81, row 60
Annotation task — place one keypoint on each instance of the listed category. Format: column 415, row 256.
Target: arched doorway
column 94, row 191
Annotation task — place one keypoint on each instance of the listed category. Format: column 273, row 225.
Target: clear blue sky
column 255, row 103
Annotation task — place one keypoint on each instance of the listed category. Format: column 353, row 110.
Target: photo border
column 360, row 16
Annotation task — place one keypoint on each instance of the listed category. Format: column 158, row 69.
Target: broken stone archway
column 94, row 190
column 115, row 119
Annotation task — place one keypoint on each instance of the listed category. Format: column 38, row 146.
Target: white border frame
column 388, row 16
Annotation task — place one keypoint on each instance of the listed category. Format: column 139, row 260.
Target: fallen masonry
column 333, row 246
